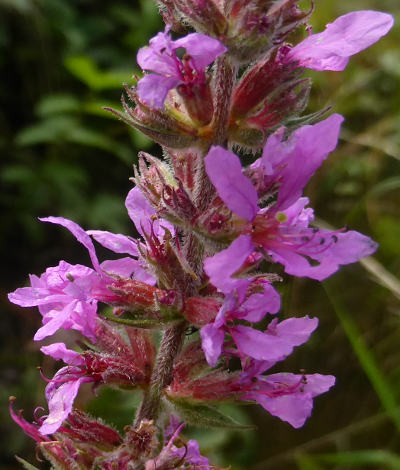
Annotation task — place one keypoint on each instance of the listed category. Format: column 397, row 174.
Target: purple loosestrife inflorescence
column 206, row 225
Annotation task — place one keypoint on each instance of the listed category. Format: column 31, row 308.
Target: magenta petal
column 212, row 340
column 346, row 36
column 224, row 264
column 318, row 384
column 300, row 156
column 257, row 305
column 54, row 324
column 191, row 455
column 34, row 296
column 296, row 331
column 234, row 188
column 297, row 214
column 314, row 384
column 292, row 408
column 159, row 56
column 115, row 242
column 202, row 49
column 153, row 89
column 129, row 268
column 293, row 395
column 347, row 247
column 59, row 351
column 139, row 210
column 60, row 402
column 259, row 345
column 330, row 249
column 79, row 234
column 142, row 214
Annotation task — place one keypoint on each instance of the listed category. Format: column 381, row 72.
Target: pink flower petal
column 142, row 214
column 201, row 48
column 115, row 242
column 299, row 157
column 212, row 340
column 79, row 234
column 153, row 89
column 224, row 264
column 346, row 36
column 234, row 188
column 60, row 401
column 59, row 351
column 257, row 305
column 296, row 331
column 258, row 345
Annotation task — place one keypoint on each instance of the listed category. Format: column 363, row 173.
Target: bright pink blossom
column 67, row 295
column 170, row 71
column 63, row 296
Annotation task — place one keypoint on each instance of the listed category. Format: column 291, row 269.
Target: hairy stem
column 171, row 344
column 223, row 83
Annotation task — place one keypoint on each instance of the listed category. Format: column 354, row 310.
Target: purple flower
column 189, row 455
column 281, row 229
column 63, row 388
column 251, row 342
column 346, row 36
column 249, row 300
column 170, row 71
column 67, row 295
column 63, row 295
column 288, row 396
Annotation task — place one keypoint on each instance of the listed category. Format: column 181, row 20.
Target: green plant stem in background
column 366, row 357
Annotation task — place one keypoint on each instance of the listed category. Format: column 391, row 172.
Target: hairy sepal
column 205, row 416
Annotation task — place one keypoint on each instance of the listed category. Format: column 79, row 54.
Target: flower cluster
column 206, row 225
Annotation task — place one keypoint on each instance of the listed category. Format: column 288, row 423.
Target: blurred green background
column 61, row 154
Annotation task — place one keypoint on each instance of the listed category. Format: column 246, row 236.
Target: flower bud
column 268, row 94
column 135, row 295
column 256, row 26
column 142, row 440
column 201, row 310
column 205, row 16
column 151, row 176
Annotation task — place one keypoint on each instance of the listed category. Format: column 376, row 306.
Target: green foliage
column 205, row 416
column 26, row 464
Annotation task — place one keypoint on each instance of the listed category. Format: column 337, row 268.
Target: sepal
column 202, row 415
column 169, row 127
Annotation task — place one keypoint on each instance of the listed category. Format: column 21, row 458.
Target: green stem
column 162, row 375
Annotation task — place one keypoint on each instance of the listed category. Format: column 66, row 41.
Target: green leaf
column 25, row 464
column 52, row 129
column 87, row 71
column 57, row 104
column 306, row 462
column 205, row 416
column 138, row 322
